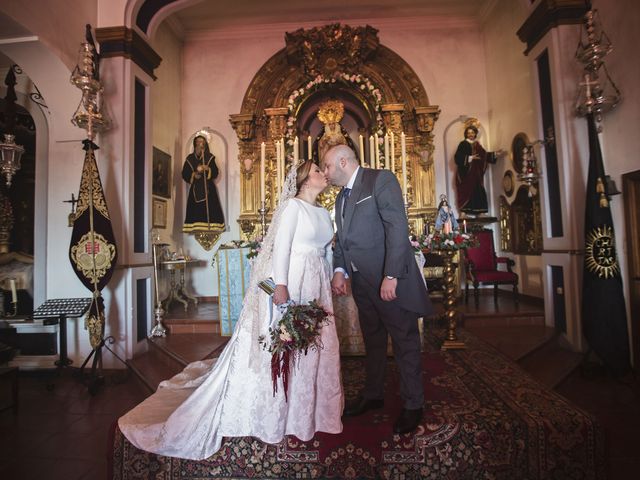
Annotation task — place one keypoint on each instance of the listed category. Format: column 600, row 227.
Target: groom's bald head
column 338, row 164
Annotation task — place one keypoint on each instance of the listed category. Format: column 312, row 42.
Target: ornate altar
column 379, row 93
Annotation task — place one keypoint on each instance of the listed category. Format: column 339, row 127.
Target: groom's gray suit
column 373, row 241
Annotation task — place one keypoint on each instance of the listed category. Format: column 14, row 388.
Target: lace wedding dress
column 189, row 414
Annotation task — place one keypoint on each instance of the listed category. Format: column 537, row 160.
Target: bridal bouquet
column 297, row 331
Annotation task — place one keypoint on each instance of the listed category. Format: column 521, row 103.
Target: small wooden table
column 177, row 290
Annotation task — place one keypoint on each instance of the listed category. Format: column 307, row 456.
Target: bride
column 233, row 396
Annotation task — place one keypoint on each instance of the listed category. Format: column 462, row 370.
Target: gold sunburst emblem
column 601, row 252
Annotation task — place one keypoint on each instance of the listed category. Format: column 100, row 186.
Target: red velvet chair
column 482, row 268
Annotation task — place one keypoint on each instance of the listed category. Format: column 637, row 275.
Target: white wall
column 446, row 54
column 512, row 109
column 166, row 111
column 59, row 25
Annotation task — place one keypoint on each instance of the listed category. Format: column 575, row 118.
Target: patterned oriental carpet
column 484, row 419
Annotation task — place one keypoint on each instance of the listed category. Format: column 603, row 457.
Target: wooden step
column 167, row 356
column 202, row 319
column 516, row 342
column 182, row 325
column 524, row 319
column 551, row 363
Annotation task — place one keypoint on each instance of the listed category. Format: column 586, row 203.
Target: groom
column 372, row 248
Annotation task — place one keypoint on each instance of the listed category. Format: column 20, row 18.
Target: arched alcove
column 381, row 92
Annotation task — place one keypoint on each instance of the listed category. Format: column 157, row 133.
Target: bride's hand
column 339, row 284
column 281, row 294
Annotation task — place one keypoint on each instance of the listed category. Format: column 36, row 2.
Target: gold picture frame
column 159, row 213
column 161, row 183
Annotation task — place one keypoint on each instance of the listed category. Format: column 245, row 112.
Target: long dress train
column 189, row 414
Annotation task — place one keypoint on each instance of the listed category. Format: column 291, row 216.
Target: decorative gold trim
column 93, row 256
column 207, row 239
column 90, row 174
column 600, row 253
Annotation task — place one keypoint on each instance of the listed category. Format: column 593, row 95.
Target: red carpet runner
column 484, row 418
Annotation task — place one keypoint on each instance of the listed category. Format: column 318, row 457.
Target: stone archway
column 332, row 58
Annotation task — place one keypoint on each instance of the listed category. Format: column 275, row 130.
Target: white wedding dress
column 189, row 414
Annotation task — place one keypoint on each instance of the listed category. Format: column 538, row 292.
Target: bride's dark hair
column 302, row 173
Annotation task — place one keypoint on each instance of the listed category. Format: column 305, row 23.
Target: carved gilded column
column 426, row 118
column 245, row 127
column 276, row 128
column 277, row 120
column 392, row 116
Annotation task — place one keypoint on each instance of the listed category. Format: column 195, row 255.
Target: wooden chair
column 482, row 268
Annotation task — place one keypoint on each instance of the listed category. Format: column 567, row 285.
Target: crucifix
column 72, row 215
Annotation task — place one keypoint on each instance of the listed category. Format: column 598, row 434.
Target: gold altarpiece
column 322, row 63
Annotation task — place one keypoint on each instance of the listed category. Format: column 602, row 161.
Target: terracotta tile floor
column 61, row 433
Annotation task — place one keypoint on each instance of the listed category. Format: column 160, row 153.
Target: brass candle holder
column 263, row 210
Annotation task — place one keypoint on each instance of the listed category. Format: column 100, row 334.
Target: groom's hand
column 339, row 284
column 388, row 289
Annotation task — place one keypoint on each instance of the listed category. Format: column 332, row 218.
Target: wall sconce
column 597, row 93
column 10, row 152
column 530, row 173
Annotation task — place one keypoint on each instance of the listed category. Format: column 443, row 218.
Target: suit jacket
column 374, row 237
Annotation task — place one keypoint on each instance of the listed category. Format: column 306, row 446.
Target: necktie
column 345, row 197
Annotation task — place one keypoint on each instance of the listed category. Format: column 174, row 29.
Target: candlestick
column 403, row 153
column 278, row 169
column 296, row 156
column 309, row 147
column 263, row 218
column 361, row 144
column 283, row 168
column 375, row 142
column 387, row 163
column 14, row 293
column 393, row 153
column 372, row 155
column 464, row 225
column 263, row 155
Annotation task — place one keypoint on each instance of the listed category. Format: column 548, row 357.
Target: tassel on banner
column 604, row 203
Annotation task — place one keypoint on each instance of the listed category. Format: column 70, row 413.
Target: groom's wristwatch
column 390, row 277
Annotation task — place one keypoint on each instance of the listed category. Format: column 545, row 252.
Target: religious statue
column 445, row 219
column 204, row 211
column 333, row 133
column 472, row 161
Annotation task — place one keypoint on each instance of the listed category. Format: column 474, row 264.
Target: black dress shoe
column 408, row 420
column 361, row 405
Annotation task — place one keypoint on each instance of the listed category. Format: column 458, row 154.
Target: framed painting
column 159, row 213
column 161, row 183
